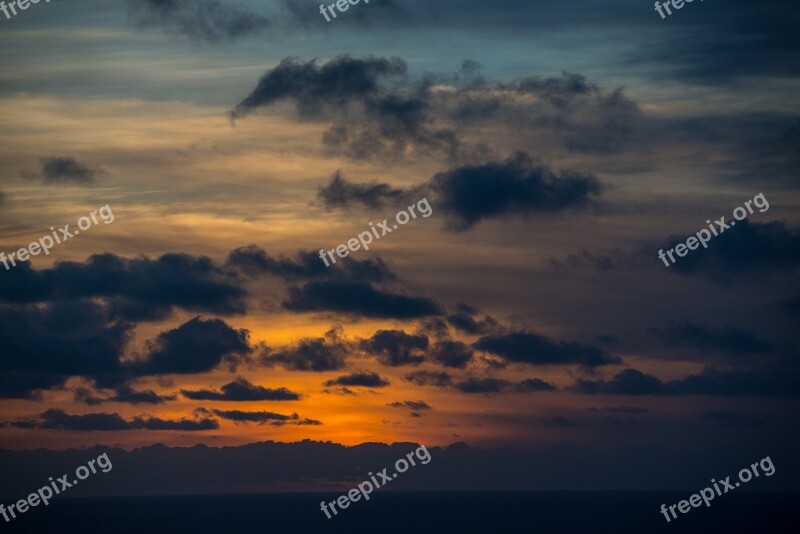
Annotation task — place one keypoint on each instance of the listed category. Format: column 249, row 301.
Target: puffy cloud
column 360, row 379
column 242, row 390
column 535, row 349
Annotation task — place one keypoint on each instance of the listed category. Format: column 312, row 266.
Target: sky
column 550, row 149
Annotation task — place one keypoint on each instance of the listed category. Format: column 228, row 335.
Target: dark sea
column 414, row 513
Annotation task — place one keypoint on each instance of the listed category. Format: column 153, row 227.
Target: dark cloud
column 733, row 341
column 414, row 405
column 65, row 171
column 44, row 345
column 358, row 299
column 172, row 280
column 530, row 385
column 311, row 354
column 482, row 385
column 242, row 390
column 774, row 381
column 360, row 379
column 261, row 418
column 312, row 87
column 340, row 193
column 725, row 48
column 519, row 186
column 535, row 349
column 395, row 347
column 56, row 419
column 128, row 395
column 626, row 382
column 746, row 249
column 254, row 261
column 451, row 354
column 429, row 378
column 204, row 20
column 194, row 347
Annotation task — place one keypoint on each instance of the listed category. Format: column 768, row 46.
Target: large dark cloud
column 395, row 347
column 56, row 419
column 468, row 194
column 518, row 185
column 64, row 170
column 311, row 354
column 733, row 341
column 44, row 345
column 313, row 87
column 172, row 280
column 535, row 349
column 746, row 249
column 254, row 261
column 360, row 379
column 241, row 390
column 194, row 347
column 358, row 299
column 206, row 20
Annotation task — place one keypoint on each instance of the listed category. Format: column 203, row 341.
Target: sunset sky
column 560, row 145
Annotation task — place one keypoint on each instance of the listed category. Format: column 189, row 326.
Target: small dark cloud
column 429, row 378
column 261, row 418
column 340, row 193
column 482, row 385
column 202, row 20
column 413, row 405
column 242, row 390
column 626, row 382
column 733, row 341
column 358, row 299
column 533, row 385
column 186, row 425
column 126, row 394
column 65, row 171
column 253, row 261
column 534, row 349
column 520, row 186
column 311, row 354
column 464, row 323
column 359, row 379
column 312, row 87
column 196, row 346
column 395, row 347
column 451, row 354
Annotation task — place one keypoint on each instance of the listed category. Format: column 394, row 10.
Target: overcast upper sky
column 559, row 144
